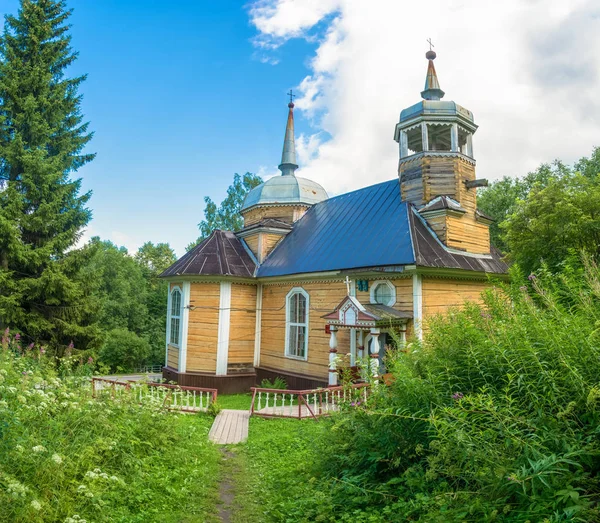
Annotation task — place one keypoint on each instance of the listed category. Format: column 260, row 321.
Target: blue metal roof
column 365, row 228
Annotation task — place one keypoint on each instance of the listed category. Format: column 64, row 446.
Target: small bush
column 277, row 383
column 124, row 350
column 214, row 408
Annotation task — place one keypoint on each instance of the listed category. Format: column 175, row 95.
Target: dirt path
column 226, row 488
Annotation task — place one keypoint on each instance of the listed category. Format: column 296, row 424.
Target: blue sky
column 183, row 94
column 178, row 103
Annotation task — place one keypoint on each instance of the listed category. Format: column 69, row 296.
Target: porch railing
column 171, row 397
column 149, row 369
column 300, row 404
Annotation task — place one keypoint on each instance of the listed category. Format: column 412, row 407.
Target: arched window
column 175, row 317
column 296, row 334
column 383, row 292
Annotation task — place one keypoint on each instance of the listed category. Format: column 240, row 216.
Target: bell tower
column 437, row 167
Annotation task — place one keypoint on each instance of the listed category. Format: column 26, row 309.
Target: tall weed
column 495, row 417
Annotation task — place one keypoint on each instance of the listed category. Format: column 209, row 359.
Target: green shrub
column 213, row 409
column 124, row 350
column 494, row 418
column 277, row 383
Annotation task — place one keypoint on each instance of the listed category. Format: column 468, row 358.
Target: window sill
column 297, row 358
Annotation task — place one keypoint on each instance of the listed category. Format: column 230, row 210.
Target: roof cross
column 348, row 285
column 431, row 46
column 292, row 96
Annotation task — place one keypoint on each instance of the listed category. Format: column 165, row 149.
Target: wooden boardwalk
column 230, row 426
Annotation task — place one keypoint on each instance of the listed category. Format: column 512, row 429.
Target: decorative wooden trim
column 223, row 331
column 335, row 278
column 283, row 204
column 286, row 353
column 437, row 154
column 169, row 317
column 418, row 305
column 259, row 248
column 185, row 304
column 168, row 329
column 258, row 327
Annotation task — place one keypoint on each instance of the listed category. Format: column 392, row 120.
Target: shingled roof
column 221, row 254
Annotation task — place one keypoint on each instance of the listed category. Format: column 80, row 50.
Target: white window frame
column 172, row 317
column 288, row 323
column 392, row 288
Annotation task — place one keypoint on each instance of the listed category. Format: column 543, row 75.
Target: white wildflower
column 39, row 448
column 19, row 448
column 57, row 459
column 114, row 478
column 36, row 505
column 75, row 519
column 16, row 489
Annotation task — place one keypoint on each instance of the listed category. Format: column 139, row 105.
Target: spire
column 432, row 89
column 288, row 158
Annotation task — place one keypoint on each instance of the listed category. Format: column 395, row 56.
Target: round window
column 383, row 294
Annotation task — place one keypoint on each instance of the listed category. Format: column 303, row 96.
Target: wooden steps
column 230, row 427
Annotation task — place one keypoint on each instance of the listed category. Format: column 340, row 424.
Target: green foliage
column 502, row 197
column 227, row 216
column 124, row 350
column 42, row 213
column 132, row 302
column 277, row 383
column 554, row 221
column 67, row 457
column 120, row 287
column 154, row 259
column 493, row 418
column 547, row 215
column 214, row 408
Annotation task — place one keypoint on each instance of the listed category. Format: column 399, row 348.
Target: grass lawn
column 272, row 471
column 235, row 401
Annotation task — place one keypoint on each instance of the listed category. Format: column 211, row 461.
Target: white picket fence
column 306, row 403
column 171, row 397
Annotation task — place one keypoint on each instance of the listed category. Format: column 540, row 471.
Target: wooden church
column 310, row 276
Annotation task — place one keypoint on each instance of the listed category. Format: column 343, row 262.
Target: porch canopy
column 362, row 319
column 352, row 314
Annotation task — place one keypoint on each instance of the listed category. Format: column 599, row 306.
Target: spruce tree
column 43, row 292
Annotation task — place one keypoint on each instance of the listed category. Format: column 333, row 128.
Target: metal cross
column 348, row 285
column 431, row 46
column 292, row 96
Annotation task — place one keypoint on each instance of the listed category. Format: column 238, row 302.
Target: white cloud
column 527, row 69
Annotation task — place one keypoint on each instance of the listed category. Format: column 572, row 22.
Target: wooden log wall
column 203, row 327
column 439, row 294
column 288, row 214
column 269, row 242
column 324, row 297
column 467, row 234
column 252, row 242
column 242, row 328
column 173, row 357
